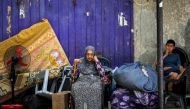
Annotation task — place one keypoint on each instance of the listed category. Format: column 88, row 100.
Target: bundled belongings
column 136, row 87
column 136, row 76
column 127, row 99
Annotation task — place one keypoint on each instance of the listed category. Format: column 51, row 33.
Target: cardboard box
column 61, row 100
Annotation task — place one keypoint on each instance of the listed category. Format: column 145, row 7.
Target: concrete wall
column 176, row 26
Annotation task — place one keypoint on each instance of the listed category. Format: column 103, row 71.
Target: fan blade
column 21, row 63
column 9, row 62
column 18, row 51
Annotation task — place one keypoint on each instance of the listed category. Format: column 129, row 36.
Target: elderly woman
column 88, row 87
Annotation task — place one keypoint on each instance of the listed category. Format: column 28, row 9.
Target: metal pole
column 159, row 5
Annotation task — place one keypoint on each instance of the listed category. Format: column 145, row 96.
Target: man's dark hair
column 170, row 41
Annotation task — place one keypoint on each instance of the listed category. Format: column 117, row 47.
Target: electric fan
column 16, row 60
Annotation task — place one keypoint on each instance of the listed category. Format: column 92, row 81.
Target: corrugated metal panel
column 105, row 24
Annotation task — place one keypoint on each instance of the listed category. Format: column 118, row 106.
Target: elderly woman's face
column 90, row 55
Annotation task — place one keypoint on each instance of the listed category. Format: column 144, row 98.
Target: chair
column 108, row 87
column 44, row 91
column 104, row 61
column 181, row 87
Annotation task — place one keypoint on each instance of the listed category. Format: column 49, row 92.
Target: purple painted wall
column 105, row 24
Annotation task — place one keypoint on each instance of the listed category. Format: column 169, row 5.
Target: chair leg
column 166, row 99
column 85, row 105
column 109, row 105
column 183, row 102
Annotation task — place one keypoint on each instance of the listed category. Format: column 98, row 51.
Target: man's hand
column 166, row 54
column 167, row 68
column 77, row 61
column 96, row 58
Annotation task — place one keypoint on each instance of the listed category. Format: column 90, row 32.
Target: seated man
column 88, row 87
column 171, row 63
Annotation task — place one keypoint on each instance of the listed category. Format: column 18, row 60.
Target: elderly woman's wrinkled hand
column 105, row 79
column 95, row 58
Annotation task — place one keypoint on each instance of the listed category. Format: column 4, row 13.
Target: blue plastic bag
column 136, row 76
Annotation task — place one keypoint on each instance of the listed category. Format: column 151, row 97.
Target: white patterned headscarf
column 90, row 48
column 87, row 67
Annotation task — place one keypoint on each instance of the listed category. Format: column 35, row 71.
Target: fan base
column 12, row 106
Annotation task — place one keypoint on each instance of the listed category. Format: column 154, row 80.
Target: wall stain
column 176, row 26
column 9, row 20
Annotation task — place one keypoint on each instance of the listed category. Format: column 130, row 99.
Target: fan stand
column 12, row 77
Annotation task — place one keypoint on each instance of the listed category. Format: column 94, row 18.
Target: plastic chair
column 108, row 87
column 104, row 61
column 48, row 94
